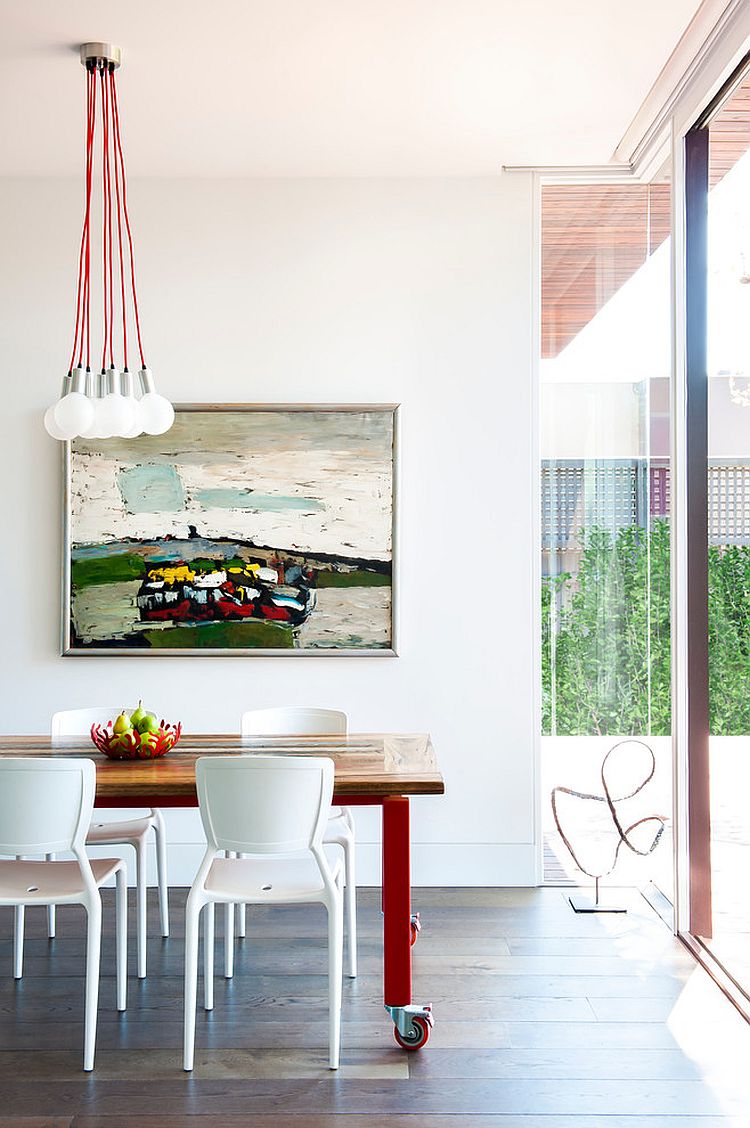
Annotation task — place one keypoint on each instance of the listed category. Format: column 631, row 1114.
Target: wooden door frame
column 695, row 542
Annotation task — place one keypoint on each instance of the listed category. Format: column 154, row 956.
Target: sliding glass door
column 605, row 484
column 719, row 827
column 645, row 528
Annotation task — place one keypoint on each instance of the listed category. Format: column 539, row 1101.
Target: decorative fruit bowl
column 134, row 745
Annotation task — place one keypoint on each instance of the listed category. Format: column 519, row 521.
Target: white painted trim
column 705, row 32
column 713, row 46
column 571, row 174
column 536, row 521
column 716, row 67
column 678, row 574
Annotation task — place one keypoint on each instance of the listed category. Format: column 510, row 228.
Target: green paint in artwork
column 220, row 636
column 107, row 569
column 358, row 577
column 151, row 488
column 248, row 499
column 203, row 564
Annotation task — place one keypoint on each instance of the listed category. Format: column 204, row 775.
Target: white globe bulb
column 65, row 426
column 116, row 414
column 91, row 431
column 100, row 428
column 137, row 428
column 51, row 424
column 74, row 413
column 157, row 413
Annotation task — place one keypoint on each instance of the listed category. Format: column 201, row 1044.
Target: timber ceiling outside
column 595, row 236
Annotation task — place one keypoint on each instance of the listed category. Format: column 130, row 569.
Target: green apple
column 148, row 723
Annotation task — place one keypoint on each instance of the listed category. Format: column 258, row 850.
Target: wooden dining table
column 371, row 769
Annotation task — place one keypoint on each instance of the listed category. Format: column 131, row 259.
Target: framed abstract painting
column 244, row 530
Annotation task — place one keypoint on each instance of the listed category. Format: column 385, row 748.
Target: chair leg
column 121, row 932
column 229, row 940
column 93, row 952
column 51, row 914
column 192, row 915
column 350, row 905
column 160, row 833
column 241, row 914
column 208, row 956
column 141, row 890
column 19, row 920
column 335, row 969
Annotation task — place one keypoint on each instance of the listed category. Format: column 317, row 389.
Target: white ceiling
column 334, row 87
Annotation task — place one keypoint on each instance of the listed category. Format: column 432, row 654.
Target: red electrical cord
column 113, row 166
column 85, row 313
column 80, row 292
column 120, row 174
column 118, row 142
column 105, row 296
column 89, row 183
column 108, row 287
column 110, row 142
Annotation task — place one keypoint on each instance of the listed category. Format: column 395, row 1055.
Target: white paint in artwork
column 356, row 495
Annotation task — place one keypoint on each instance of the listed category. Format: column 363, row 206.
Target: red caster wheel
column 418, row 1036
column 416, row 928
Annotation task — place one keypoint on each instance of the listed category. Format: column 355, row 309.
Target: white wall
column 414, row 291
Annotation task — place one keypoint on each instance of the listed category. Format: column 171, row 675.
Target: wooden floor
column 544, row 1019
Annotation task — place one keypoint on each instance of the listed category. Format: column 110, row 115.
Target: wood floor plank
column 609, row 1035
column 36, row 1121
column 652, row 986
column 238, row 1001
column 331, row 1094
column 604, row 1064
column 409, row 1120
column 714, row 1007
column 229, row 1064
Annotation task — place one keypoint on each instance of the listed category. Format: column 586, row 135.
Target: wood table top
column 377, row 764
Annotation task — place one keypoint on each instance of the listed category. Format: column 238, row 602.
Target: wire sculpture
column 623, row 832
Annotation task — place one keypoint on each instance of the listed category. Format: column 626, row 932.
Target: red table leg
column 412, row 1022
column 396, row 903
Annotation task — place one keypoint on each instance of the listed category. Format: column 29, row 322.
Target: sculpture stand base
column 589, row 905
column 583, row 904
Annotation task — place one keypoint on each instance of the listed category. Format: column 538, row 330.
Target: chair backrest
column 294, row 720
column 45, row 804
column 264, row 804
column 78, row 722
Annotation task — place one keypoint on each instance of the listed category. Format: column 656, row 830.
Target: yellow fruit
column 122, row 724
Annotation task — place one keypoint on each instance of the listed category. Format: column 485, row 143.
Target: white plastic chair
column 131, row 832
column 304, row 720
column 45, row 808
column 273, row 808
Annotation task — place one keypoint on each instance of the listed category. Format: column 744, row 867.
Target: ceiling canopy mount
column 101, row 55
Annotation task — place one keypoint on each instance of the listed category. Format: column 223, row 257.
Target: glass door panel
column 729, row 531
column 605, row 602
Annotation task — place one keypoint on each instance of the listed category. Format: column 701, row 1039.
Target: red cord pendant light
column 101, row 402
